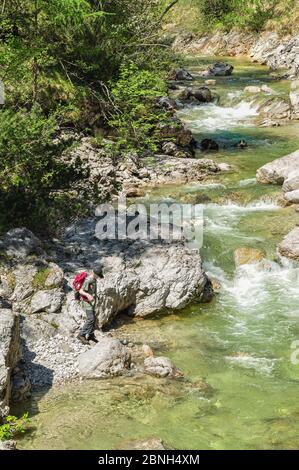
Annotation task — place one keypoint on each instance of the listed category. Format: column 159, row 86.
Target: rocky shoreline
column 141, row 278
column 267, row 48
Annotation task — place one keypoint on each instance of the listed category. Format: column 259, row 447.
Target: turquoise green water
column 240, row 344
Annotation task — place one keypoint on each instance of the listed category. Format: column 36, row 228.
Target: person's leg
column 89, row 325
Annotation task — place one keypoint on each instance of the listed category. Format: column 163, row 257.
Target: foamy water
column 212, row 117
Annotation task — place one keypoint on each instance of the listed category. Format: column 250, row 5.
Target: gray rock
column 220, row 69
column 167, row 103
column 20, row 243
column 292, row 196
column 55, row 277
column 274, row 108
column 9, row 356
column 182, row 74
column 21, row 385
column 277, row 171
column 199, row 94
column 108, row 358
column 44, row 300
column 161, row 367
column 289, row 247
column 291, row 183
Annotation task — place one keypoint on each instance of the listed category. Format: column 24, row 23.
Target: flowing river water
column 240, row 344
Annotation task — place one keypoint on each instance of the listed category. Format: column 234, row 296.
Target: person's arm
column 85, row 293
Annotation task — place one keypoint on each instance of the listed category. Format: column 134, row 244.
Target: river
column 240, row 344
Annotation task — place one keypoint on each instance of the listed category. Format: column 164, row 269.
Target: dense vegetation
column 253, row 15
column 86, row 65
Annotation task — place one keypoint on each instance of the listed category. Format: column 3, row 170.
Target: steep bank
column 267, row 48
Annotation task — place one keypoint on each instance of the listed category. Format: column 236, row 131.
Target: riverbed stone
column 161, row 367
column 108, row 358
column 252, row 89
column 248, row 255
column 152, row 443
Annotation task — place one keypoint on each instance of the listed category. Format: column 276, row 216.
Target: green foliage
column 63, row 64
column 13, row 426
column 29, row 169
column 251, row 15
column 135, row 112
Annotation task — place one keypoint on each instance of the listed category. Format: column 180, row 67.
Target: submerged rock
column 209, row 144
column 252, row 89
column 152, row 443
column 108, row 358
column 242, row 144
column 161, row 367
column 248, row 255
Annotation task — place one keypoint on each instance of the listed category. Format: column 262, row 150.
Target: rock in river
column 248, row 255
column 220, row 69
column 289, row 247
column 108, row 358
column 161, row 367
column 277, row 171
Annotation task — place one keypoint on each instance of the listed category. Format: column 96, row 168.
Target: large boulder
column 9, row 356
column 294, row 97
column 289, row 247
column 277, row 171
column 108, row 358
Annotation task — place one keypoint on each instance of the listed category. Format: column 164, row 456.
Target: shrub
column 13, row 426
